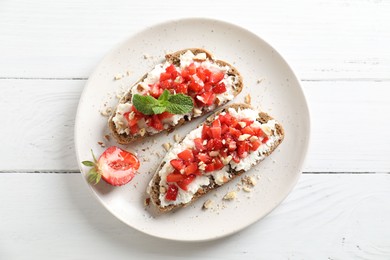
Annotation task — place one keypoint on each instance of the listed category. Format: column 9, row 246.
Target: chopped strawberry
column 155, row 122
column 219, row 88
column 225, row 119
column 186, row 155
column 191, row 69
column 248, row 130
column 177, row 164
column 165, row 76
column 258, row 131
column 195, row 87
column 235, row 133
column 235, row 157
column 186, row 181
column 172, row 192
column 217, row 164
column 255, row 144
column 116, row 166
column 191, row 168
column 232, row 146
column 206, row 98
column 204, row 157
column 216, row 77
column 199, row 144
column 164, row 115
column 216, row 132
column 134, row 129
column 209, row 167
column 224, row 129
column 206, row 132
column 243, row 149
column 174, row 177
column 265, row 139
column 208, row 86
column 181, row 88
column 216, row 123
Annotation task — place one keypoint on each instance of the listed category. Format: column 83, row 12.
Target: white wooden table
column 340, row 207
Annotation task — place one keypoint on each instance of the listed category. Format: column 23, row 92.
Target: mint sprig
column 174, row 104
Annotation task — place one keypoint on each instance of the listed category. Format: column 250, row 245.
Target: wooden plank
column 332, row 39
column 326, row 216
column 350, row 125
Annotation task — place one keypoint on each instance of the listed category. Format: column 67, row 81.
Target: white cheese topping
column 220, row 176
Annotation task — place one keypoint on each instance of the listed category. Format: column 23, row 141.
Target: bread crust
column 173, row 58
column 154, row 190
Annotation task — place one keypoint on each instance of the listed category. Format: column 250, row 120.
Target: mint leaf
column 145, row 104
column 179, row 104
column 174, row 104
column 159, row 110
column 164, row 96
column 88, row 163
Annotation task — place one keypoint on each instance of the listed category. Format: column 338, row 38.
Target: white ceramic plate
column 273, row 88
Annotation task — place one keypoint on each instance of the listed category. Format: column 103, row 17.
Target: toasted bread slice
column 119, row 125
column 207, row 181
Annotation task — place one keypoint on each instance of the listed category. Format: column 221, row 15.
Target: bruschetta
column 209, row 82
column 229, row 143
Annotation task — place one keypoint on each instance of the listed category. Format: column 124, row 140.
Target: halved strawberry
column 115, row 166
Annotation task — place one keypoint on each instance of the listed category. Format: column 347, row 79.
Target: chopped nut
column 142, row 131
column 131, row 115
column 163, row 190
column 200, row 57
column 217, row 101
column 214, row 153
column 266, row 129
column 207, row 204
column 246, row 189
column 197, row 112
column 226, row 160
column 248, row 99
column 249, row 181
column 243, row 137
column 176, row 137
column 167, row 146
column 106, row 112
column 201, row 166
column 242, row 124
column 140, row 88
column 107, row 137
column 101, row 144
column 253, row 138
column 230, row 195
